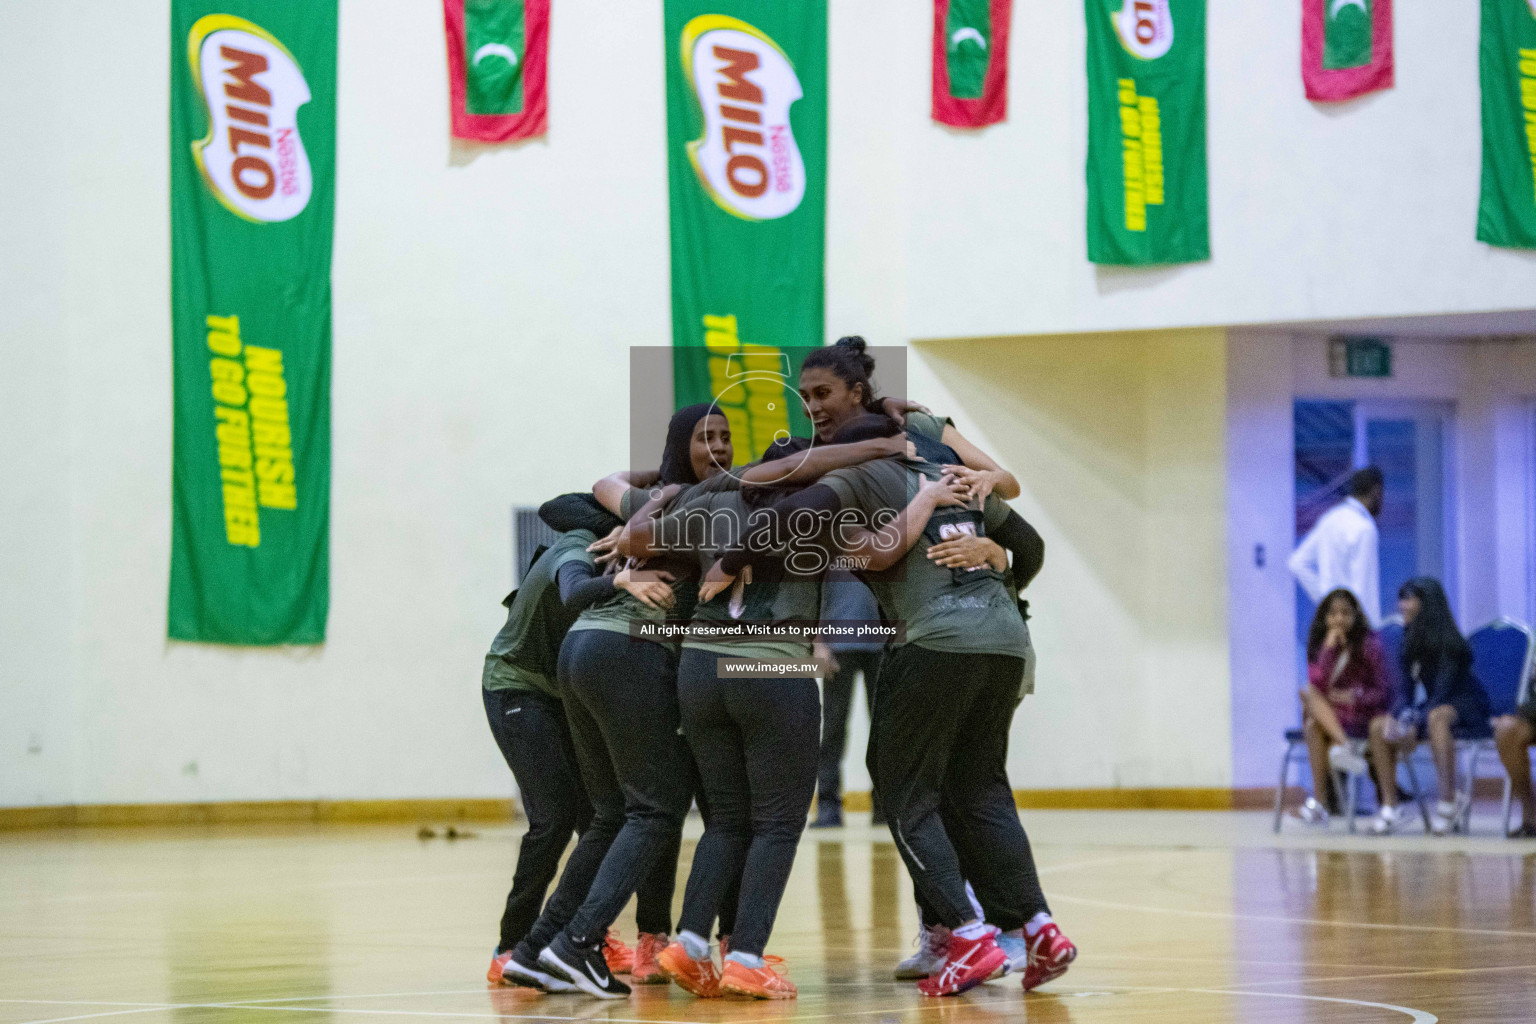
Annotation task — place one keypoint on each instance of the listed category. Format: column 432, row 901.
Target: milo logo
column 1145, row 28
column 748, row 160
column 252, row 158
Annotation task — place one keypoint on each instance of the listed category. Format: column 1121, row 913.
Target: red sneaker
column 765, row 982
column 498, row 961
column 701, row 977
column 1050, row 954
column 619, row 957
column 968, row 963
column 646, row 971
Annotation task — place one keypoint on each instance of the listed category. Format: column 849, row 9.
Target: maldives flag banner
column 970, row 61
column 746, row 84
column 1146, row 132
column 1506, row 215
column 498, row 51
column 1346, row 48
column 253, row 161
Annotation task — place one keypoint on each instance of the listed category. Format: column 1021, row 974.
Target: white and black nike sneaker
column 584, row 967
column 523, row 968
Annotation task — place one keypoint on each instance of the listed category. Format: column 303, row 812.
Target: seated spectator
column 1348, row 689
column 1437, row 657
column 1514, row 734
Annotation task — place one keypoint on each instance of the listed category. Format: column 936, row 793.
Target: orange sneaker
column 498, row 961
column 619, row 957
column 697, row 976
column 765, row 982
column 645, row 970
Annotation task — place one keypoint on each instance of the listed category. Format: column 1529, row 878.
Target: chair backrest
column 1390, row 634
column 1501, row 658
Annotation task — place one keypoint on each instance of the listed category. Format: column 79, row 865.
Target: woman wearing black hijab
column 621, row 703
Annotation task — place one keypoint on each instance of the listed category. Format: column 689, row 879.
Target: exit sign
column 1359, row 357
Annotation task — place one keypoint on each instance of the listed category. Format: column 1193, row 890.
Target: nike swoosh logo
column 593, row 974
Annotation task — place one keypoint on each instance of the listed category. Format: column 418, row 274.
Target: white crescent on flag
column 962, row 34
column 501, row 50
column 1338, row 5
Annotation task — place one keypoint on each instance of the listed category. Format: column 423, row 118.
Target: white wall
column 1260, row 465
column 1317, row 211
column 482, row 308
column 1117, row 441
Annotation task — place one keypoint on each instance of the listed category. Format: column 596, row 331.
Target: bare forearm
column 639, row 533
column 888, row 545
column 610, row 490
column 1005, row 484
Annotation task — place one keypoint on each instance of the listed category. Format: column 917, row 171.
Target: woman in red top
column 1348, row 687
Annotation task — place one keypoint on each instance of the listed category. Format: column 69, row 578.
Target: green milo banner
column 1506, row 214
column 747, row 169
column 1146, row 132
column 253, row 156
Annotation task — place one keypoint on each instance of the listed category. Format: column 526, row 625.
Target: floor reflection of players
column 885, row 903
column 839, row 953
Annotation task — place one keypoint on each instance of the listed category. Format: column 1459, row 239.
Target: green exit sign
column 1359, row 357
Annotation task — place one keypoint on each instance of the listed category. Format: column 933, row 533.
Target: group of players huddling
column 613, row 737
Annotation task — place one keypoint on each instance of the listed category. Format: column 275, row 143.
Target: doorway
column 1411, row 443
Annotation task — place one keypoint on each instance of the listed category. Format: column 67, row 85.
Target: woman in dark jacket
column 1437, row 657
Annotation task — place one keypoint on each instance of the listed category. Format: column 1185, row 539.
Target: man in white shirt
column 1342, row 549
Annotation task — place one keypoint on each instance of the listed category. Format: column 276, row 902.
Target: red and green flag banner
column 1346, row 48
column 1506, row 214
column 747, row 175
column 253, row 159
column 970, row 61
column 1146, row 132
column 498, row 51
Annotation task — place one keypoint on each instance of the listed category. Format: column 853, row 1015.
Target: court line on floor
column 105, row 1013
column 1419, row 1016
column 1321, row 922
column 1223, row 961
column 1051, row 869
column 267, row 1004
column 1425, row 972
column 427, row 1013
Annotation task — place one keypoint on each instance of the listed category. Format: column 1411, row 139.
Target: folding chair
column 1502, row 654
column 1390, row 634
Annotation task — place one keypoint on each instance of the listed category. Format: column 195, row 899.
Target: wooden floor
column 1186, row 918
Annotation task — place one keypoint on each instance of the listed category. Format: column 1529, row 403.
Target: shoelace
column 927, row 941
column 770, row 962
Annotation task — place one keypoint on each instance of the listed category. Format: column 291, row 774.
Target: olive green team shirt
column 712, row 520
column 927, row 425
column 617, row 612
column 524, row 653
column 957, row 611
